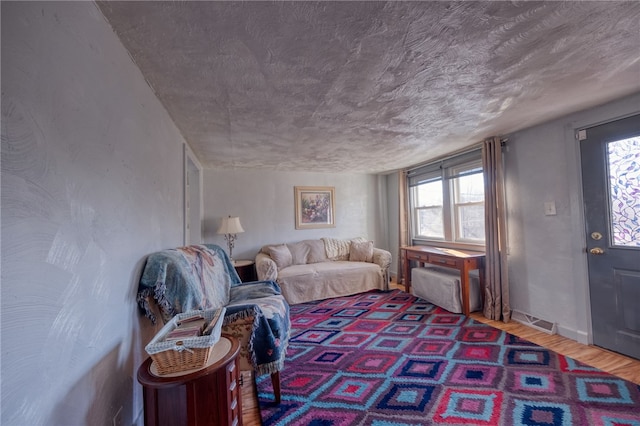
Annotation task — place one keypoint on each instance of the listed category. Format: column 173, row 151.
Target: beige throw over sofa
column 324, row 268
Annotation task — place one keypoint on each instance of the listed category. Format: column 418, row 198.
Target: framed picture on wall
column 315, row 207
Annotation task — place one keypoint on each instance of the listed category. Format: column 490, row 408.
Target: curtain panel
column 496, row 291
column 403, row 192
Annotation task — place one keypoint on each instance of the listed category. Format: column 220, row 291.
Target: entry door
column 611, row 188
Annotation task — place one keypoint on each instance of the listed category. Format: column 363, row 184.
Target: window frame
column 459, row 172
column 446, row 171
column 413, row 194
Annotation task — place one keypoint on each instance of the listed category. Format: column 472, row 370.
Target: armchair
column 203, row 277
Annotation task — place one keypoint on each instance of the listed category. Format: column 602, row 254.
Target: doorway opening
column 192, row 198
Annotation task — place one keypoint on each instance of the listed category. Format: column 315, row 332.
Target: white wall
column 91, row 184
column 547, row 261
column 264, row 201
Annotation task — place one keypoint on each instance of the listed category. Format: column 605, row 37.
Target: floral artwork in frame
column 315, row 207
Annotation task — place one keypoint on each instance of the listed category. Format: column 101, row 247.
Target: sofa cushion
column 322, row 280
column 361, row 251
column 299, row 252
column 281, row 255
column 317, row 252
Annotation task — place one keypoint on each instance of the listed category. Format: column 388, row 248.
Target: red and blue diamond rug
column 389, row 358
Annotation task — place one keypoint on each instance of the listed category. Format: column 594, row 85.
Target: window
column 447, row 201
column 428, row 208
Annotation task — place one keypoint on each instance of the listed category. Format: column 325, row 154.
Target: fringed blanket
column 268, row 345
column 203, row 277
column 185, row 279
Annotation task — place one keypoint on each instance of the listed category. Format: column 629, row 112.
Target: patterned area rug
column 389, row 358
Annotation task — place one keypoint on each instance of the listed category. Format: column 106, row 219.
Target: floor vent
column 533, row 322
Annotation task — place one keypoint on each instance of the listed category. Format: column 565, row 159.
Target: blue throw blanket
column 203, row 277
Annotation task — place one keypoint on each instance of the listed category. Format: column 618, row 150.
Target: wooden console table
column 463, row 260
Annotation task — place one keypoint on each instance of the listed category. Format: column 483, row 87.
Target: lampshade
column 230, row 225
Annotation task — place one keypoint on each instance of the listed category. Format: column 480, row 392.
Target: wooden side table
column 246, row 269
column 208, row 396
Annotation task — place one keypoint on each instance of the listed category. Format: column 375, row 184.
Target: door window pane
column 624, row 190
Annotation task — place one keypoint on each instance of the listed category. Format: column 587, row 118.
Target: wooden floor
column 611, row 362
column 250, row 412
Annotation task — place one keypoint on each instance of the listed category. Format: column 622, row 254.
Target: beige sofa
column 324, row 268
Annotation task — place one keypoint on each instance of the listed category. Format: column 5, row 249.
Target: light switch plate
column 550, row 208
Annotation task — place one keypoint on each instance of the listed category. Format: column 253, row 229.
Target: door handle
column 596, row 250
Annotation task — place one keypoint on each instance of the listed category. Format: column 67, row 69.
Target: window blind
column 434, row 170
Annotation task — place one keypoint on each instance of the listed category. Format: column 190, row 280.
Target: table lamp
column 230, row 226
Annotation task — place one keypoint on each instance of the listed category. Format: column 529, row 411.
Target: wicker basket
column 187, row 354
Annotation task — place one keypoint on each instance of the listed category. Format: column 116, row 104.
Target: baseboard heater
column 534, row 322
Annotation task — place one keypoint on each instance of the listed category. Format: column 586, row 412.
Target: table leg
column 482, row 278
column 407, row 272
column 464, row 283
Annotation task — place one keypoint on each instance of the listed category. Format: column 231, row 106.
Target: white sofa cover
column 324, row 268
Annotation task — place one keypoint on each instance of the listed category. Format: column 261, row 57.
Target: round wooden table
column 207, row 396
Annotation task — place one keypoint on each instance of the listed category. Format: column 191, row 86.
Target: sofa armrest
column 266, row 268
column 382, row 258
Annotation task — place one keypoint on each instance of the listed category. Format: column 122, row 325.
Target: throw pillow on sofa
column 299, row 252
column 281, row 255
column 361, row 251
column 317, row 252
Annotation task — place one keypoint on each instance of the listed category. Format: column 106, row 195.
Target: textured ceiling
column 372, row 86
